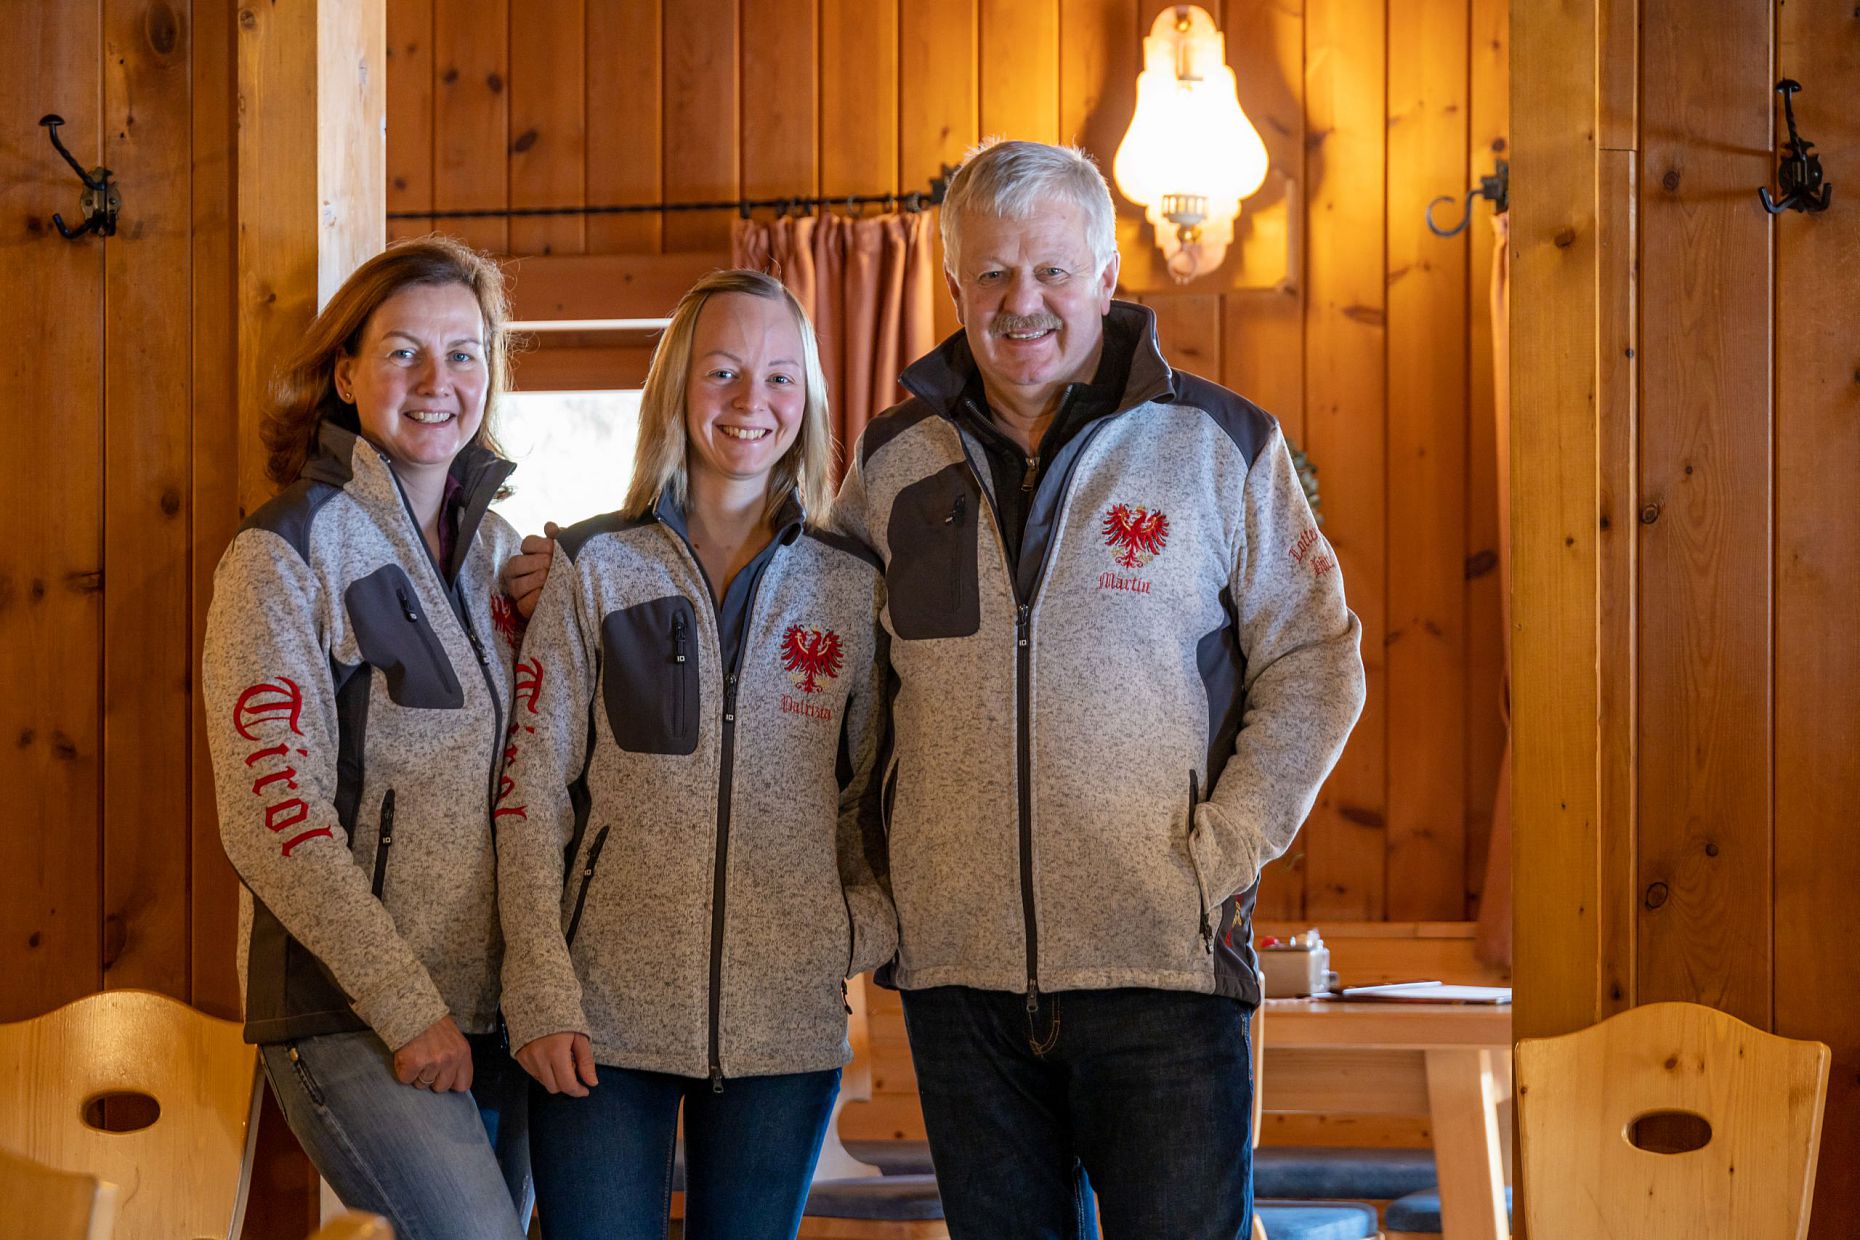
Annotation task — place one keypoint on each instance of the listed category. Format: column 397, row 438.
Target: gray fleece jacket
column 1095, row 755
column 355, row 691
column 685, row 873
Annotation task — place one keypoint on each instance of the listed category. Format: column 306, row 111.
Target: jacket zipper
column 587, row 877
column 720, row 875
column 678, row 686
column 384, row 840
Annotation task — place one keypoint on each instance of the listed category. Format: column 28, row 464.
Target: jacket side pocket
column 587, row 879
column 1196, row 864
column 384, row 840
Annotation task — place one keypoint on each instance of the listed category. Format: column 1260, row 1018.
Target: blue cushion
column 1312, row 1220
column 878, row 1198
column 1303, row 1173
column 909, row 1157
column 1421, row 1211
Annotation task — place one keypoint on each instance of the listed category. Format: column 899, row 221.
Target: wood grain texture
column 939, row 103
column 1489, row 123
column 1703, row 837
column 1554, row 514
column 548, row 124
column 1346, row 427
column 213, row 505
column 1427, row 426
column 1189, row 327
column 51, row 563
column 781, row 100
column 1019, row 45
column 702, row 81
column 625, row 109
column 410, row 114
column 1817, row 784
column 858, row 87
column 471, row 117
column 146, row 412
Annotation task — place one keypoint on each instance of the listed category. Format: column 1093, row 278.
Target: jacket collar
column 788, row 523
column 940, row 377
column 345, row 459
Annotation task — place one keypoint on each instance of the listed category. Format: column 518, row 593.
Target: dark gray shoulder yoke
column 1244, row 422
column 291, row 513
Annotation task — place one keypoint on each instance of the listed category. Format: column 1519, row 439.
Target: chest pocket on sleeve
column 397, row 639
column 931, row 578
column 649, row 676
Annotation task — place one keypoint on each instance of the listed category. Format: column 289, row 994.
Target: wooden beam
column 605, row 286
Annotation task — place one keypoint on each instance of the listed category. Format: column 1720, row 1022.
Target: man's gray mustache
column 1004, row 323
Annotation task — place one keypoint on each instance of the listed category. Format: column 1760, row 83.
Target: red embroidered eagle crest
column 1135, row 535
column 809, row 653
column 505, row 621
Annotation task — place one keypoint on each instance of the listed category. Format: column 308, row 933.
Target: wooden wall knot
column 1657, row 894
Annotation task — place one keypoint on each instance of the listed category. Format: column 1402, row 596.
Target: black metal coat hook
column 100, row 200
column 1496, row 187
column 1799, row 173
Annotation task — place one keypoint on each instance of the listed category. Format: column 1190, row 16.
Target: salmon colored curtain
column 1494, row 930
column 869, row 285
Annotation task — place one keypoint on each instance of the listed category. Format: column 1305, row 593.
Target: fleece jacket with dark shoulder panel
column 689, row 863
column 1099, row 741
column 355, row 691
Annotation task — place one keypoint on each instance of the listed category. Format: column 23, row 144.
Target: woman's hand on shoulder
column 525, row 572
column 562, row 1063
column 439, row 1059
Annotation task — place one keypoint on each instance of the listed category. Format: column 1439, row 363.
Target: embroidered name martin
column 1135, row 536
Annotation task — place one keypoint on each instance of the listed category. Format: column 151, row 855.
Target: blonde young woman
column 686, row 846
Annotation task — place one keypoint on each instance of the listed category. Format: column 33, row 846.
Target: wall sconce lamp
column 1191, row 155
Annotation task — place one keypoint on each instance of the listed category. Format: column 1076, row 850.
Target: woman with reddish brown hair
column 357, row 668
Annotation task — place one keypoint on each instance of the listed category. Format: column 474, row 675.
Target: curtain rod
column 916, row 200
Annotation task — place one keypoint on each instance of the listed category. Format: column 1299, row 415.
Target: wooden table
column 1450, row 1062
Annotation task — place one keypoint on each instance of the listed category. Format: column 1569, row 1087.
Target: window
column 574, row 454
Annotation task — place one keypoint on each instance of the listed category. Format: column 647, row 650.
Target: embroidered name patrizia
column 809, row 657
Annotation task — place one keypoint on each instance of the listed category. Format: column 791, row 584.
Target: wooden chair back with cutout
column 182, row 1175
column 1581, row 1095
column 38, row 1202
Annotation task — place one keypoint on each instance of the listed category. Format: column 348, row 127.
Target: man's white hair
column 1012, row 180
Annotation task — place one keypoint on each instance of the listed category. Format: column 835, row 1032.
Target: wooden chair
column 182, row 1175
column 1581, row 1095
column 1293, row 1219
column 356, row 1226
column 42, row 1203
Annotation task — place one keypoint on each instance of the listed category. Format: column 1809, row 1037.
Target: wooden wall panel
column 1817, row 660
column 782, row 102
column 1554, row 509
column 1019, row 44
column 1427, row 416
column 410, row 115
column 939, row 102
column 51, row 561
column 147, row 657
column 625, row 109
column 1704, row 836
column 702, row 80
column 858, row 86
column 1489, row 123
column 548, row 139
column 471, row 116
column 1345, row 339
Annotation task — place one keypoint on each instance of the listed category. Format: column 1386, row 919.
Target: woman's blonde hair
column 659, row 464
column 305, row 390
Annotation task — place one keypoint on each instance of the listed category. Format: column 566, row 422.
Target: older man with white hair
column 1123, row 667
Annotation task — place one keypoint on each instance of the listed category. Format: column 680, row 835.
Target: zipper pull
column 716, row 1079
column 1033, row 997
column 729, row 698
column 406, row 606
column 1031, row 477
column 1020, row 625
column 955, row 512
column 678, row 639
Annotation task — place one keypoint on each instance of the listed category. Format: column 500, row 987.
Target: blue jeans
column 604, row 1162
column 1149, row 1092
column 445, row 1166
